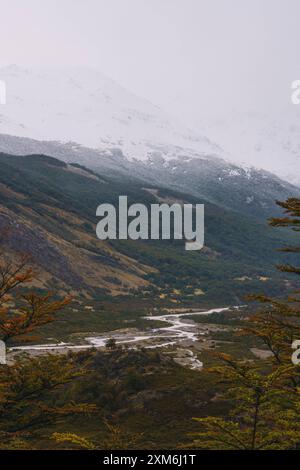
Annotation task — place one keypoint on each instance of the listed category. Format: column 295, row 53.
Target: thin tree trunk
column 255, row 420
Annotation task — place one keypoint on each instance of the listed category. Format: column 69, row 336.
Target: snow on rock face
column 83, row 106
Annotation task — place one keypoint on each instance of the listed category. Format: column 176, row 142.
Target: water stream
column 176, row 331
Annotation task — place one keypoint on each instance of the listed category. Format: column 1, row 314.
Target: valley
column 149, row 232
column 180, row 333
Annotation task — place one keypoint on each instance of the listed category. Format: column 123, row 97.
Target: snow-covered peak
column 82, row 105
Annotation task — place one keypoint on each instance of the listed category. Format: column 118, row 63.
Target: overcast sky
column 192, row 57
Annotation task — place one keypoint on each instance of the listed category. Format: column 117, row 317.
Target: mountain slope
column 245, row 190
column 40, row 205
column 50, row 209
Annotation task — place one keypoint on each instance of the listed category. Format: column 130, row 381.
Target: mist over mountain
column 268, row 140
column 83, row 106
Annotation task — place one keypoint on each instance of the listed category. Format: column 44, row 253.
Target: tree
column 26, row 392
column 27, row 384
column 111, row 343
column 265, row 397
column 33, row 311
column 263, row 415
column 276, row 323
column 291, row 220
column 117, row 439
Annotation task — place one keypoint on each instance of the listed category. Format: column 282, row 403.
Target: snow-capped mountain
column 94, row 117
column 83, row 106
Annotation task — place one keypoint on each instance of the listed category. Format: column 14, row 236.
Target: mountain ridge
column 254, row 191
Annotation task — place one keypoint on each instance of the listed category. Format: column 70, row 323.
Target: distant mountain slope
column 243, row 189
column 50, row 208
column 246, row 190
